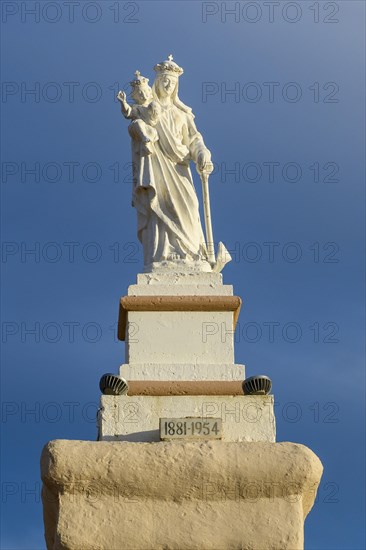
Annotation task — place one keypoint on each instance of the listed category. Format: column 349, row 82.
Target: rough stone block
column 177, row 495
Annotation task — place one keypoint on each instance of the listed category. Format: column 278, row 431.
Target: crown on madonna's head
column 168, row 67
column 139, row 80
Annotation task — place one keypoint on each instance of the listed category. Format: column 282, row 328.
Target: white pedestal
column 182, row 371
column 136, row 418
column 172, row 327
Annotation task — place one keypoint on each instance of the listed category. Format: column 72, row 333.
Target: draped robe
column 169, row 225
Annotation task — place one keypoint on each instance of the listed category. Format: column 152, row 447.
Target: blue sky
column 287, row 199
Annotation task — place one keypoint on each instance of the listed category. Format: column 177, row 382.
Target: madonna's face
column 166, row 85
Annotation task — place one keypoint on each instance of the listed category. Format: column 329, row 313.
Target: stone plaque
column 190, row 428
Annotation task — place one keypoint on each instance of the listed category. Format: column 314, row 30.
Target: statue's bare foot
column 174, row 257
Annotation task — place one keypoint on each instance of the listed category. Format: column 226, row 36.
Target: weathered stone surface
column 178, row 279
column 184, row 387
column 194, row 284
column 173, row 371
column 136, row 418
column 180, row 337
column 177, row 495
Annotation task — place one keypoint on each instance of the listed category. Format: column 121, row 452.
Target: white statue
column 144, row 113
column 164, row 141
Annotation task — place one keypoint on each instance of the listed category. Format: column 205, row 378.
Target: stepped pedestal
column 133, row 491
column 179, row 336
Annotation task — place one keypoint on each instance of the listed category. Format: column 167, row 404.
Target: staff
column 223, row 255
column 208, row 223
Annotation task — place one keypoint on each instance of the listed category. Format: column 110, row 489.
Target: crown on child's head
column 168, row 67
column 139, row 80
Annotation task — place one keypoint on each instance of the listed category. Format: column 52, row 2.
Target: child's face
column 141, row 94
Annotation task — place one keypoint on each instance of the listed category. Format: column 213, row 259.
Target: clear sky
column 277, row 89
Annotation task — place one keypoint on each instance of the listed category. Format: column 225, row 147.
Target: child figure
column 144, row 113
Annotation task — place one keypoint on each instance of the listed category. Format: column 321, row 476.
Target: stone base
column 179, row 266
column 198, row 337
column 181, row 371
column 136, row 418
column 179, row 318
column 177, row 495
column 180, row 284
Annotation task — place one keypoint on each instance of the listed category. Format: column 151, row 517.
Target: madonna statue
column 164, row 141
